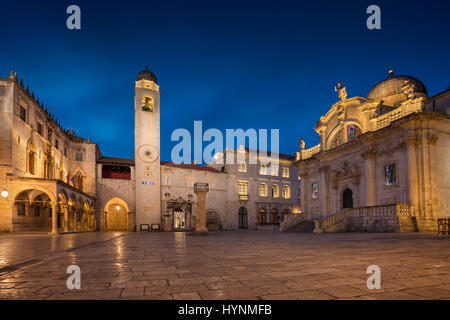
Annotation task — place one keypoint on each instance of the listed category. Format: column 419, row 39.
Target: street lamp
column 4, row 193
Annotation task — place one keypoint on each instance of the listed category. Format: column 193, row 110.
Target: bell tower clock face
column 148, row 153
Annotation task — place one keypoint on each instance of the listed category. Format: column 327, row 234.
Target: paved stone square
column 225, row 265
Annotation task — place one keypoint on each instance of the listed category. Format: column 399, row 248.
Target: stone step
column 304, row 226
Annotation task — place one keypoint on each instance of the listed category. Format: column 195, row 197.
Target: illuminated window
column 262, row 216
column 390, row 175
column 262, row 190
column 274, row 169
column 274, row 217
column 353, row 131
column 243, row 188
column 285, row 172
column 242, row 166
column 286, row 192
column 275, row 191
column 262, row 169
column 315, row 191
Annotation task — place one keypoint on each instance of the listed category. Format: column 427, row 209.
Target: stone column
column 66, row 218
column 370, row 178
column 323, row 189
column 412, row 143
column 54, row 219
column 75, row 222
column 200, row 190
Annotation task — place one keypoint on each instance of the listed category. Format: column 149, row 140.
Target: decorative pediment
column 348, row 170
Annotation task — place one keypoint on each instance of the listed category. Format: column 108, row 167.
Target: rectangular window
column 116, row 172
column 21, row 209
column 65, row 151
column 37, row 211
column 242, row 167
column 243, row 188
column 56, row 143
column 315, row 191
column 49, row 134
column 390, row 174
column 285, row 172
column 39, row 128
column 274, row 170
column 23, row 113
column 79, row 156
column 262, row 169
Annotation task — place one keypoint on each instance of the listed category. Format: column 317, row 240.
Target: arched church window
column 353, row 131
column 338, row 139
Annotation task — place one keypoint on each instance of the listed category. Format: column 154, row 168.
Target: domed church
column 382, row 164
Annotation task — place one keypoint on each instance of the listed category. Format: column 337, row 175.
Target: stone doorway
column 116, row 215
column 347, row 198
column 243, row 218
column 179, row 219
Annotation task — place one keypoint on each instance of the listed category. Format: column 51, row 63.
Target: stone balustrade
column 380, row 218
column 308, row 153
column 407, row 107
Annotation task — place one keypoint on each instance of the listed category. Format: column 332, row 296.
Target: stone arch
column 116, row 215
column 274, row 216
column 347, row 198
column 33, row 209
column 262, row 215
column 339, row 129
column 35, row 187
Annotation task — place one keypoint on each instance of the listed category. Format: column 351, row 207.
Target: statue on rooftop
column 341, row 91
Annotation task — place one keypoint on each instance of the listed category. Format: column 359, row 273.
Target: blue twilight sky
column 231, row 64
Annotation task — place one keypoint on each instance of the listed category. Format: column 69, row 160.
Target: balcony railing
column 200, row 186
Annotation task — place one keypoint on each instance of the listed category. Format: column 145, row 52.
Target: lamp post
column 5, row 193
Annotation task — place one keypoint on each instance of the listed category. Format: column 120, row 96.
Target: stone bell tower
column 146, row 149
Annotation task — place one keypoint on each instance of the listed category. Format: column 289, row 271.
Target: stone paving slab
column 228, row 265
column 21, row 248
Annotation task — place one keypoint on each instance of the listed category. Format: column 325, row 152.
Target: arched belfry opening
column 347, row 198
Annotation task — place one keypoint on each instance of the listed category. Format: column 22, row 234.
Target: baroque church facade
column 383, row 161
column 381, row 165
